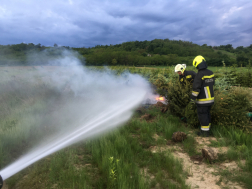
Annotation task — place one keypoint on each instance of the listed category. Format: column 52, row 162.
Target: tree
column 38, row 45
column 242, row 61
column 114, row 61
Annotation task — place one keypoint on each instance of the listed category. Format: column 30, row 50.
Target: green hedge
column 230, row 107
column 243, row 79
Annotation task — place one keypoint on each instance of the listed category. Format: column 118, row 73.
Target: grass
column 119, row 159
column 231, row 55
column 116, row 160
column 89, row 164
column 215, row 69
column 239, row 148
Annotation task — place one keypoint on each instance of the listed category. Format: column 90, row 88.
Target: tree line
column 29, row 54
column 165, row 52
column 158, row 52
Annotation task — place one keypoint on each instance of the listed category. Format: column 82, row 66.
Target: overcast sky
column 86, row 23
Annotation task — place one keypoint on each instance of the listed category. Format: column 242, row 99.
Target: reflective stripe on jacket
column 203, row 91
column 188, row 75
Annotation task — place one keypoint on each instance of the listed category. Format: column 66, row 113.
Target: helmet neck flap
column 202, row 65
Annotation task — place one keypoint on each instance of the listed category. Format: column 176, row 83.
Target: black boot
column 203, row 133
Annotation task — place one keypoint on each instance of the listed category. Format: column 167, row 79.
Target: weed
column 190, row 146
column 219, row 181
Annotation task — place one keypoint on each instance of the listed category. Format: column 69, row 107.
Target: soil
column 5, row 186
column 200, row 173
column 147, row 117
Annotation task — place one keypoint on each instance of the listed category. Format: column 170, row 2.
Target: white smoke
column 89, row 103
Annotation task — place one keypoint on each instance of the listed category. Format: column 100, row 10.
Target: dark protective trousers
column 204, row 117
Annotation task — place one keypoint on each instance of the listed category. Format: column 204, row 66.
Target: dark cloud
column 79, row 23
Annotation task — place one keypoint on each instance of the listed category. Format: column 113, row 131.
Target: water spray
column 87, row 130
column 96, row 102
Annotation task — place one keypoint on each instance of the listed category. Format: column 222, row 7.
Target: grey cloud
column 88, row 23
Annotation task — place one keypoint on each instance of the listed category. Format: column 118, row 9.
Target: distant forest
column 157, row 52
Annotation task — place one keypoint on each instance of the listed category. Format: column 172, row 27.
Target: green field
column 139, row 154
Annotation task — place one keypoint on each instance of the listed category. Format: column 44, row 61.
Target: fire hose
column 1, row 182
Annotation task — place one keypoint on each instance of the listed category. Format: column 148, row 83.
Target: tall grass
column 119, row 159
column 20, row 115
column 240, row 148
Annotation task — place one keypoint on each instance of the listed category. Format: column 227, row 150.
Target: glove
column 192, row 101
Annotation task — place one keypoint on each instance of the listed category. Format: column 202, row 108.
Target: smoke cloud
column 77, row 103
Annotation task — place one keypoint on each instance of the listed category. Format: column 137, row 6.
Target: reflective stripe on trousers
column 204, row 117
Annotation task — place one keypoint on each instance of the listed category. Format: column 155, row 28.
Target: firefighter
column 203, row 94
column 183, row 74
column 1, row 182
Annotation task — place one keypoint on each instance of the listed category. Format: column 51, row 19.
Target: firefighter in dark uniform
column 183, row 74
column 203, row 94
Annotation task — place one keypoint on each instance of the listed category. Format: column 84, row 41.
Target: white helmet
column 180, row 68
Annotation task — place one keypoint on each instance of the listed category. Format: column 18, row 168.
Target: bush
column 222, row 83
column 161, row 80
column 192, row 116
column 230, row 107
column 242, row 79
column 178, row 97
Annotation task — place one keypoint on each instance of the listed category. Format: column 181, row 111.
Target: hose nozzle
column 1, row 182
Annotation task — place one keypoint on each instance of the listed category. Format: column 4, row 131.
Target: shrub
column 222, row 83
column 229, row 109
column 242, row 79
column 191, row 115
column 178, row 97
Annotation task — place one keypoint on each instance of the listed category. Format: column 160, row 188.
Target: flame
column 160, row 98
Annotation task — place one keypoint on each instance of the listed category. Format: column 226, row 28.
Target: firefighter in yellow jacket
column 183, row 74
column 203, row 94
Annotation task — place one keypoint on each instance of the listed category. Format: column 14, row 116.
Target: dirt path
column 5, row 186
column 201, row 174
